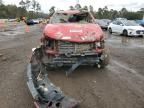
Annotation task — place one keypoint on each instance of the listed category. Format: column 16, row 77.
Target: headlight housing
column 99, row 44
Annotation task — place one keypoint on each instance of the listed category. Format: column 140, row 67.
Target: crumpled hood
column 74, row 32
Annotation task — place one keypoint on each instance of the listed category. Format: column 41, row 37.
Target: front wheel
column 125, row 33
column 104, row 59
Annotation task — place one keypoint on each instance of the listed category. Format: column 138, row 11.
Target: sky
column 132, row 5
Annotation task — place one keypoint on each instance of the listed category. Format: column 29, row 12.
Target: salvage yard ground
column 120, row 85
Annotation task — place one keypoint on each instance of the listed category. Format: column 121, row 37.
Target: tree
column 85, row 8
column 71, row 8
column 115, row 14
column 34, row 5
column 12, row 11
column 142, row 9
column 123, row 12
column 22, row 4
column 105, row 12
column 100, row 13
column 27, row 3
column 1, row 2
column 111, row 14
column 38, row 7
column 21, row 12
column 91, row 8
column 77, row 6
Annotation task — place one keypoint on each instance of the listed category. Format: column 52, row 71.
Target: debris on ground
column 4, row 59
column 1, row 55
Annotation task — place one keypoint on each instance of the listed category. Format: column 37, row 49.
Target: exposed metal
column 45, row 93
column 74, row 66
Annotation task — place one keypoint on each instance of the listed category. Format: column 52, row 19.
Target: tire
column 125, row 33
column 105, row 57
column 110, row 30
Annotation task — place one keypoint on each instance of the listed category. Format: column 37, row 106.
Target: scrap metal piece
column 30, row 83
column 74, row 66
column 45, row 93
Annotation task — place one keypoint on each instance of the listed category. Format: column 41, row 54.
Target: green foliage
column 12, row 11
column 71, row 8
column 105, row 13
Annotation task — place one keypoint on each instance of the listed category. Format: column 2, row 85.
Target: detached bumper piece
column 74, row 66
column 45, row 93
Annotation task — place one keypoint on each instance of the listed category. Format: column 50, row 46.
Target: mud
column 120, row 85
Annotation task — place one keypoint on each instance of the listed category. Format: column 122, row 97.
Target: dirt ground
column 120, row 85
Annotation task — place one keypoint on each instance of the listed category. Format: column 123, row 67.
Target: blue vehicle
column 30, row 22
column 140, row 22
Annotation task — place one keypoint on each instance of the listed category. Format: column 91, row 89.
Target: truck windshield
column 71, row 18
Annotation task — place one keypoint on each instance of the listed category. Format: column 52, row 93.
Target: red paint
column 63, row 32
column 26, row 29
column 36, row 105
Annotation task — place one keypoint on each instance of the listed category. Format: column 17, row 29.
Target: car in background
column 36, row 21
column 102, row 23
column 126, row 28
column 108, row 21
column 11, row 20
column 120, row 19
column 29, row 22
column 140, row 22
column 40, row 20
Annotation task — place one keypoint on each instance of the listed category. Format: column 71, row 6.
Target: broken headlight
column 99, row 44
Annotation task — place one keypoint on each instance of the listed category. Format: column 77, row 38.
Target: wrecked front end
column 58, row 53
column 45, row 93
column 73, row 44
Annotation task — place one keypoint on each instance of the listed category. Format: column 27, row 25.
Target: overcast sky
column 132, row 5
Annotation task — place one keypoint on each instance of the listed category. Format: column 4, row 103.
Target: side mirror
column 121, row 25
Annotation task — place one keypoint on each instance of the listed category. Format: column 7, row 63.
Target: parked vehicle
column 71, row 38
column 29, row 22
column 102, row 23
column 36, row 21
column 126, row 27
column 75, row 38
column 108, row 21
column 12, row 20
column 120, row 19
column 140, row 22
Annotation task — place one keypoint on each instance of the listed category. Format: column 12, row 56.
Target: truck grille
column 74, row 48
